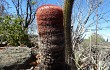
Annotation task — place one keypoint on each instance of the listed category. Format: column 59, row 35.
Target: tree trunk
column 67, row 30
column 51, row 33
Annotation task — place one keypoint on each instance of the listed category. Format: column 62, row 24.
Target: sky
column 33, row 26
column 103, row 23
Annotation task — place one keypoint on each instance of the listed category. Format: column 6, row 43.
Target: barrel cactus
column 51, row 35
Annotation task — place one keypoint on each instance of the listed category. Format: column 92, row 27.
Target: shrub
column 11, row 31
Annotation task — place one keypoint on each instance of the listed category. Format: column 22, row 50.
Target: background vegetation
column 11, row 31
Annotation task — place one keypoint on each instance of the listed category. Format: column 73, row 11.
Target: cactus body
column 51, row 34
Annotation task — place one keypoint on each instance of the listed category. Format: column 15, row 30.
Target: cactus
column 51, row 35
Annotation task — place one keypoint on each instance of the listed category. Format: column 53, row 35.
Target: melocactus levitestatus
column 51, row 34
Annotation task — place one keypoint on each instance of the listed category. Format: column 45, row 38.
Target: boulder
column 15, row 57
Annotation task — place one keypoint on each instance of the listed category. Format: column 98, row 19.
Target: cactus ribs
column 51, row 34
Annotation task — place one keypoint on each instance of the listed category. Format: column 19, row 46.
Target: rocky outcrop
column 15, row 58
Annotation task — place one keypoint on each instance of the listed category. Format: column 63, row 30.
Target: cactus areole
column 51, row 34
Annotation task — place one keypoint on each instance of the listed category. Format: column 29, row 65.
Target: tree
column 25, row 10
column 3, row 7
column 68, row 5
column 1, row 10
column 83, row 17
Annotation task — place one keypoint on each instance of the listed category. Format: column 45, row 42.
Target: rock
column 2, row 44
column 15, row 57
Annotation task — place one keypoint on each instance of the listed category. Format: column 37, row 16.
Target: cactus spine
column 51, row 34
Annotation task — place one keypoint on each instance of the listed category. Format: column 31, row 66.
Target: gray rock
column 14, row 56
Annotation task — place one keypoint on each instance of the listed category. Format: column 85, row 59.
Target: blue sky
column 102, row 23
column 33, row 27
column 41, row 2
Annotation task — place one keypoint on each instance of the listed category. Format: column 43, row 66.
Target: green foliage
column 85, row 43
column 92, row 39
column 33, row 2
column 12, row 32
column 99, row 38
